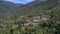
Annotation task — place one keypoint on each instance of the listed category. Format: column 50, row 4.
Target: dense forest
column 37, row 17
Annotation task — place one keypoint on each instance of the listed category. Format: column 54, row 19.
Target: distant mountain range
column 34, row 7
column 9, row 6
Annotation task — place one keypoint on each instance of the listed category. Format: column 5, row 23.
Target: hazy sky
column 20, row 1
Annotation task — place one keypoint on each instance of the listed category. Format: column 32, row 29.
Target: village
column 32, row 21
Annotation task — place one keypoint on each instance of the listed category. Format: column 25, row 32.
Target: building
column 28, row 23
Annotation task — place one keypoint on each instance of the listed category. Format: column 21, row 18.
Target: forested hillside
column 7, row 8
column 37, row 17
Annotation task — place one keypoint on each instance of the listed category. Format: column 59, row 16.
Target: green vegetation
column 48, row 22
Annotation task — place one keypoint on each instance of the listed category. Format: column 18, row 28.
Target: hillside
column 37, row 17
column 36, row 7
column 7, row 7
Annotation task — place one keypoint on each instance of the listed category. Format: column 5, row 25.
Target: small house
column 28, row 23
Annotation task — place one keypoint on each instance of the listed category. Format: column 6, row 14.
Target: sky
column 20, row 1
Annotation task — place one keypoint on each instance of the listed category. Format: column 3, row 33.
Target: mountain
column 13, row 17
column 32, row 7
column 36, row 7
column 7, row 7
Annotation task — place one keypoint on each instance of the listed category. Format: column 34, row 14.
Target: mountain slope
column 36, row 7
column 7, row 6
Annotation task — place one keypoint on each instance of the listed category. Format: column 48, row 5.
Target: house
column 36, row 19
column 28, row 23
